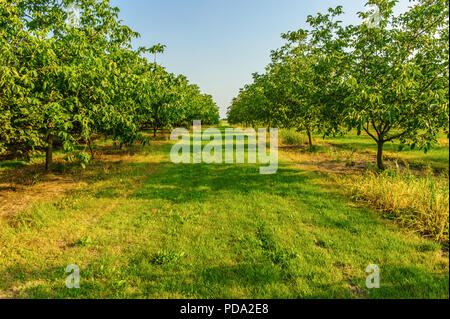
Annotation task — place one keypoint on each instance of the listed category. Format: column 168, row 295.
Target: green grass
column 292, row 137
column 147, row 228
column 11, row 164
column 437, row 157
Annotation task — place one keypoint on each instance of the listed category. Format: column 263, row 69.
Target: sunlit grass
column 291, row 137
column 437, row 157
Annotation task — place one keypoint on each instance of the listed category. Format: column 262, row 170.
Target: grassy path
column 152, row 229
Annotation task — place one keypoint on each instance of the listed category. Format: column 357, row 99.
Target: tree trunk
column 310, row 139
column 154, row 131
column 380, row 163
column 91, row 149
column 49, row 153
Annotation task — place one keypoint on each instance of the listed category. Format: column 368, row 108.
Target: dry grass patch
column 420, row 202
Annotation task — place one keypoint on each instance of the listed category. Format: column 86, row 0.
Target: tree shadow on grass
column 199, row 182
column 263, row 280
column 23, row 185
column 202, row 183
column 224, row 281
column 243, row 280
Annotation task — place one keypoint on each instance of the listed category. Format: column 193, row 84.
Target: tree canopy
column 63, row 83
column 387, row 77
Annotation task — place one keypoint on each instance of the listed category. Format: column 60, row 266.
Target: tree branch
column 395, row 136
column 368, row 133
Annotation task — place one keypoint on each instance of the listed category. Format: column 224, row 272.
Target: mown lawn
column 148, row 228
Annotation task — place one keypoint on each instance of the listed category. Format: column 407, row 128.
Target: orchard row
column 62, row 84
column 387, row 77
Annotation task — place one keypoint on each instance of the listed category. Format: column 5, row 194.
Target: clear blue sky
column 218, row 44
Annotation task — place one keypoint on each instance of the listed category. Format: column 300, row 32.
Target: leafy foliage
column 61, row 84
column 388, row 80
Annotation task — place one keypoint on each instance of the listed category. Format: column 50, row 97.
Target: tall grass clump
column 420, row 202
column 291, row 137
